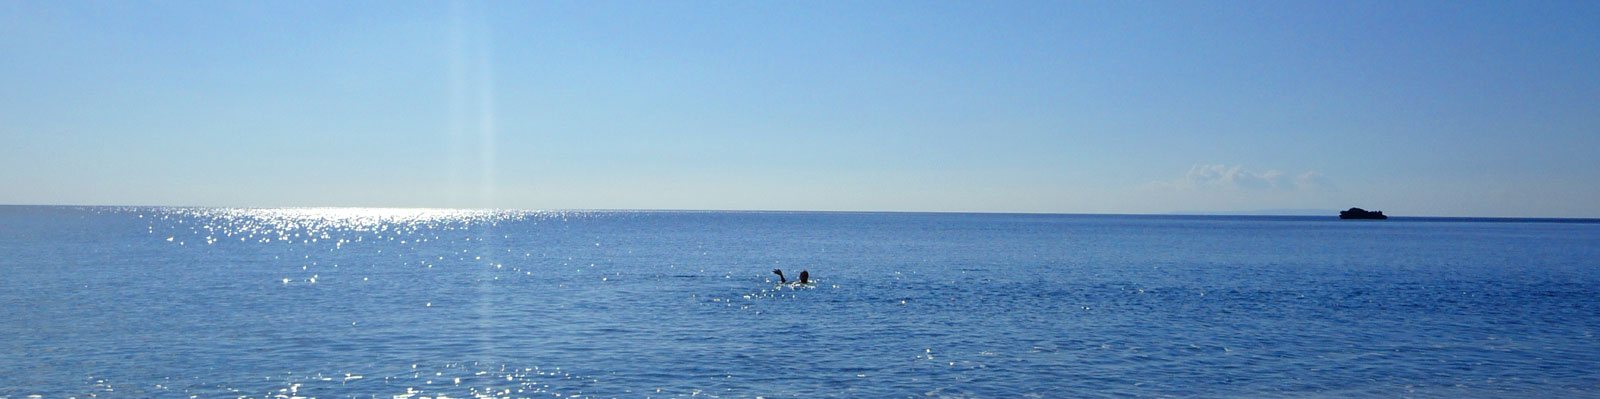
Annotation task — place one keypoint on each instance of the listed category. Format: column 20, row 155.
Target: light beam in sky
column 486, row 118
column 471, row 77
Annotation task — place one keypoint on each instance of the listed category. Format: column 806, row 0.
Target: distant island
column 1358, row 213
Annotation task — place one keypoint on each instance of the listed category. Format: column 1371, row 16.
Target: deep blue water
column 332, row 303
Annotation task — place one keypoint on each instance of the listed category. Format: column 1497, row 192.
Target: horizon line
column 1246, row 214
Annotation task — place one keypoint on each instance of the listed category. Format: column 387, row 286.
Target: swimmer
column 805, row 277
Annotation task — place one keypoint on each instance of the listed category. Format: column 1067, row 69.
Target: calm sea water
column 333, row 303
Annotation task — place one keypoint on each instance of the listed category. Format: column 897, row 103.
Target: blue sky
column 1416, row 108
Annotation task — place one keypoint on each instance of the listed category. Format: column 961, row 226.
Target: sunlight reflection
column 312, row 224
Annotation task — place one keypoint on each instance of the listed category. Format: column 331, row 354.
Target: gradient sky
column 1416, row 108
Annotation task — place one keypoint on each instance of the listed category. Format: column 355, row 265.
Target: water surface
column 385, row 303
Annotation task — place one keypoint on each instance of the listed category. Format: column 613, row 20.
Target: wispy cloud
column 1238, row 178
column 1312, row 180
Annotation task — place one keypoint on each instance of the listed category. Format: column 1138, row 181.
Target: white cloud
column 1224, row 178
column 1312, row 180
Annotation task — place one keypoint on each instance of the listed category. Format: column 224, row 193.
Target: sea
column 164, row 302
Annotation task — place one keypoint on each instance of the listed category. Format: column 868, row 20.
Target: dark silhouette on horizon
column 1358, row 213
column 805, row 277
